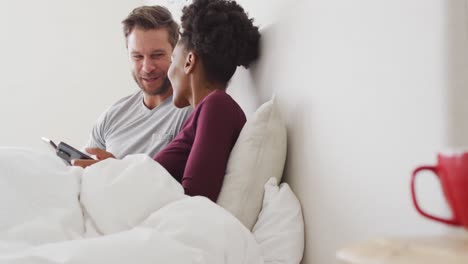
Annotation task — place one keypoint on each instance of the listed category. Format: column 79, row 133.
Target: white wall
column 370, row 89
column 62, row 63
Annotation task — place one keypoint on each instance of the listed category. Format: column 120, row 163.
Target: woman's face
column 179, row 78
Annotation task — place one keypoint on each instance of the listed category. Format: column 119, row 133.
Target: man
column 145, row 121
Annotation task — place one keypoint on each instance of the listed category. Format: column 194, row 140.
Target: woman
column 217, row 36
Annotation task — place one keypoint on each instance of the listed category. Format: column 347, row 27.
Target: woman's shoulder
column 220, row 99
column 221, row 103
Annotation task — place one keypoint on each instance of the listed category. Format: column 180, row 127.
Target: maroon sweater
column 198, row 155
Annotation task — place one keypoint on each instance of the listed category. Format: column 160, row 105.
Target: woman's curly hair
column 222, row 35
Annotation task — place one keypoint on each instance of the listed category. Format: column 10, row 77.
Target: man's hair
column 222, row 35
column 152, row 17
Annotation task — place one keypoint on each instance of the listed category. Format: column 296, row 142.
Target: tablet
column 65, row 151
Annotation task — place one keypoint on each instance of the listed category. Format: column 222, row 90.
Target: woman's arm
column 218, row 126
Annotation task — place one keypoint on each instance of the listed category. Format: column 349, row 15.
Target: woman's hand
column 100, row 155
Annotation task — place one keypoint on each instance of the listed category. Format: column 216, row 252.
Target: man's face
column 150, row 54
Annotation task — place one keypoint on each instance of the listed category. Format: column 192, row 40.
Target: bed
column 133, row 211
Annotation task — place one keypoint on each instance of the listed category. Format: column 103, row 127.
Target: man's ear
column 190, row 61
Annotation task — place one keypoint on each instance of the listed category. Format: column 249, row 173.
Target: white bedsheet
column 117, row 211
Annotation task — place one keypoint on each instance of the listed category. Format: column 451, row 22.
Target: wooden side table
column 410, row 250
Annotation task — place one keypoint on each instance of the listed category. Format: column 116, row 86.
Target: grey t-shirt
column 129, row 127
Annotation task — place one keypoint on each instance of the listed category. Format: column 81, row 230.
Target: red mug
column 452, row 171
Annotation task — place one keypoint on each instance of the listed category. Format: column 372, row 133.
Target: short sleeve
column 96, row 138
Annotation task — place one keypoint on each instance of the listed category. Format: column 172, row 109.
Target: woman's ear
column 190, row 61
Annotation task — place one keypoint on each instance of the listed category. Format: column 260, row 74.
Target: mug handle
column 453, row 221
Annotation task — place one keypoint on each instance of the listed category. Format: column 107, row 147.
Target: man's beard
column 162, row 89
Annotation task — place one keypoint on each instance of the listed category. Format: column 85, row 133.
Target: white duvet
column 117, row 211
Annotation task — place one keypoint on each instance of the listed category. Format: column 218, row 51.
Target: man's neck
column 153, row 101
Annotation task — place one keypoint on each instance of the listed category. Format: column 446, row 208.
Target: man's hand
column 100, row 155
column 83, row 162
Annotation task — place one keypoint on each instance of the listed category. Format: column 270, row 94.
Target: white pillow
column 259, row 153
column 280, row 227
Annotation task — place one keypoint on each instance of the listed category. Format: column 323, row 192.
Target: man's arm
column 96, row 144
